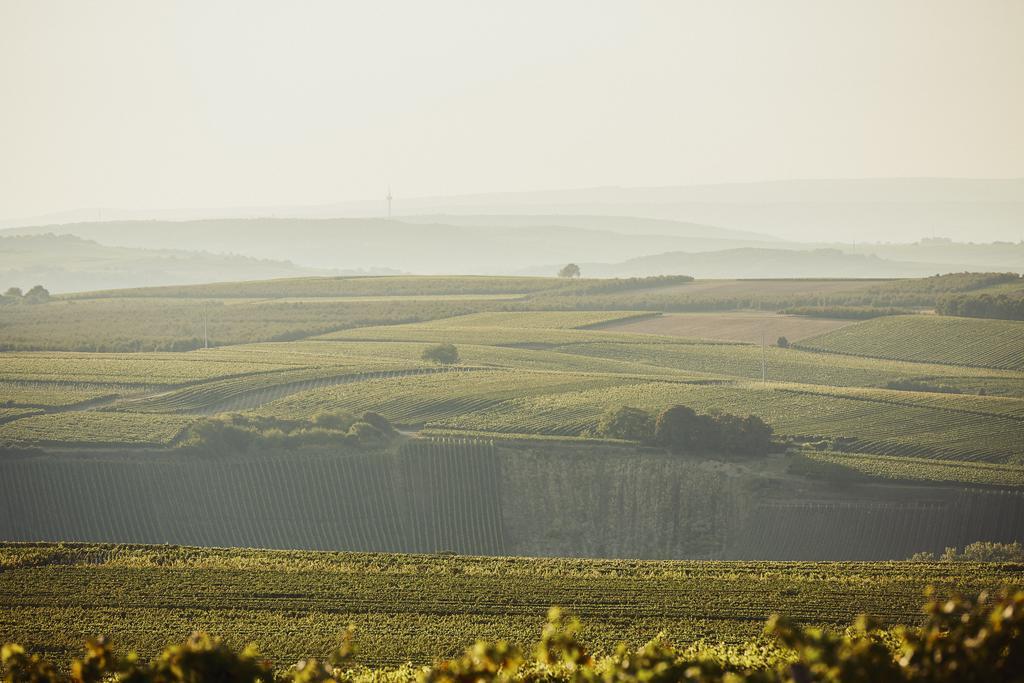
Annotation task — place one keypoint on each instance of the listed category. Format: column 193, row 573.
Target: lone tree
column 13, row 292
column 37, row 295
column 569, row 270
column 442, row 354
column 782, row 343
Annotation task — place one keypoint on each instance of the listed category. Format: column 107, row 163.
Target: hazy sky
column 140, row 104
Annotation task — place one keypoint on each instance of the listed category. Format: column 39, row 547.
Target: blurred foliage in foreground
column 961, row 640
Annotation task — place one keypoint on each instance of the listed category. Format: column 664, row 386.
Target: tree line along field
column 417, row 608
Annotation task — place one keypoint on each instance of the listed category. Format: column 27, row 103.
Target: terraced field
column 745, row 326
column 93, row 428
column 904, row 468
column 241, row 393
column 930, row 339
column 533, row 373
column 62, row 394
column 864, row 423
column 424, row 398
column 470, row 354
column 131, row 368
column 327, row 287
column 792, row 365
column 419, row 607
column 533, row 338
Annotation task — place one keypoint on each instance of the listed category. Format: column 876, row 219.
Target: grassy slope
column 419, row 607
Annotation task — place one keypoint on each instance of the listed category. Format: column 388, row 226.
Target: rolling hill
column 66, row 263
column 875, row 209
column 422, row 247
column 759, row 262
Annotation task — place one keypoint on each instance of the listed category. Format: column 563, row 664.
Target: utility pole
column 389, row 202
column 764, row 362
column 206, row 338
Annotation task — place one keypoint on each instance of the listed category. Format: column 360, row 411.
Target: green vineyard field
column 904, row 468
column 135, row 368
column 434, row 396
column 930, row 339
column 551, row 320
column 790, row 365
column 497, row 335
column 419, row 607
column 477, row 496
column 94, row 428
column 885, row 427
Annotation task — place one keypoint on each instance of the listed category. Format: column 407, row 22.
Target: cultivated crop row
column 421, row 607
column 249, row 391
column 94, row 427
column 930, row 339
column 57, row 394
column 145, row 369
column 433, row 495
column 791, row 365
column 551, row 320
column 908, row 468
column 431, row 396
column 869, row 425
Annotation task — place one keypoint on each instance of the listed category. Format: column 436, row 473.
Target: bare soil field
column 746, row 326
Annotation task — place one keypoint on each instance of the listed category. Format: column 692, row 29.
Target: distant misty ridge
column 884, row 209
column 740, row 230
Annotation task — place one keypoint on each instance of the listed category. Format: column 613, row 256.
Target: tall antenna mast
column 389, row 201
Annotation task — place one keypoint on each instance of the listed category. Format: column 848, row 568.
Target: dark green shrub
column 632, row 424
column 682, row 430
column 920, row 385
column 442, row 354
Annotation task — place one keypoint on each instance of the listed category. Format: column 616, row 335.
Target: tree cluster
column 982, row 551
column 1000, row 306
column 235, row 433
column 681, row 429
column 36, row 295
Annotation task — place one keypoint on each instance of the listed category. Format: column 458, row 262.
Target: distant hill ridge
column 894, row 209
column 755, row 262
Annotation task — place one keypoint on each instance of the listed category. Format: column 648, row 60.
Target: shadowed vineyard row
column 471, row 496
